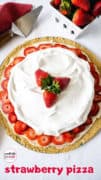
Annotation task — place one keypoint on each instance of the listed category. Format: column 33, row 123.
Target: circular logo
column 10, row 155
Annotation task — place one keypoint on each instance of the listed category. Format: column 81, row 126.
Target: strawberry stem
column 50, row 85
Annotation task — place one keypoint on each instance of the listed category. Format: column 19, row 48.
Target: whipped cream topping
column 73, row 104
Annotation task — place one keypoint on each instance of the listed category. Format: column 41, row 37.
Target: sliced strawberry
column 44, row 46
column 92, row 67
column 5, row 98
column 7, row 108
column 98, row 89
column 83, row 4
column 69, row 137
column 8, row 71
column 29, row 50
column 20, row 127
column 4, row 84
column 1, row 94
column 61, row 46
column 30, row 133
column 63, row 82
column 17, row 60
column 76, row 51
column 76, row 130
column 58, row 140
column 97, row 98
column 12, row 117
column 40, row 74
column 49, row 98
column 88, row 121
column 57, row 2
column 97, row 9
column 95, row 74
column 83, row 56
column 79, row 129
column 94, row 110
column 44, row 140
column 96, row 77
column 81, row 18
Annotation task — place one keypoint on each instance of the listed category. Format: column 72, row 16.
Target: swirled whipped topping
column 73, row 104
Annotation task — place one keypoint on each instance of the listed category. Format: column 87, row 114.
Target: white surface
column 87, row 155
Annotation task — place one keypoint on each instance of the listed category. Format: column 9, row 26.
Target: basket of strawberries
column 78, row 13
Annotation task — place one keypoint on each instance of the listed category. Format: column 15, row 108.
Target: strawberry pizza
column 50, row 95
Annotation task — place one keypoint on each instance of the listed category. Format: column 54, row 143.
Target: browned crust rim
column 50, row 149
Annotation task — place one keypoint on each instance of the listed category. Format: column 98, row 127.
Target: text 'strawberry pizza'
column 50, row 95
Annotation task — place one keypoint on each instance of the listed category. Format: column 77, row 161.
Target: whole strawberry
column 83, row 4
column 97, row 9
column 49, row 98
column 81, row 18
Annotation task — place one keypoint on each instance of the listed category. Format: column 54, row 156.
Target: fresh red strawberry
column 17, row 60
column 58, row 140
column 7, row 108
column 94, row 110
column 63, row 82
column 12, row 117
column 44, row 46
column 8, row 71
column 83, row 56
column 88, row 121
column 49, row 98
column 61, row 46
column 97, row 98
column 96, row 77
column 69, row 137
column 98, row 89
column 4, row 84
column 4, row 97
column 20, row 127
column 1, row 94
column 40, row 74
column 79, row 53
column 44, row 140
column 55, row 3
column 81, row 18
column 29, row 50
column 79, row 129
column 97, row 9
column 30, row 133
column 83, row 4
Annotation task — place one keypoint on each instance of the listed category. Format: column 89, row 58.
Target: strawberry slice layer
column 31, row 134
column 58, row 140
column 20, row 127
column 44, row 140
column 12, row 117
column 29, row 50
column 7, row 108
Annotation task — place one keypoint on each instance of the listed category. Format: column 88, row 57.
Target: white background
column 87, row 155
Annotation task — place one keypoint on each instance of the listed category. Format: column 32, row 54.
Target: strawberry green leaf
column 47, row 82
